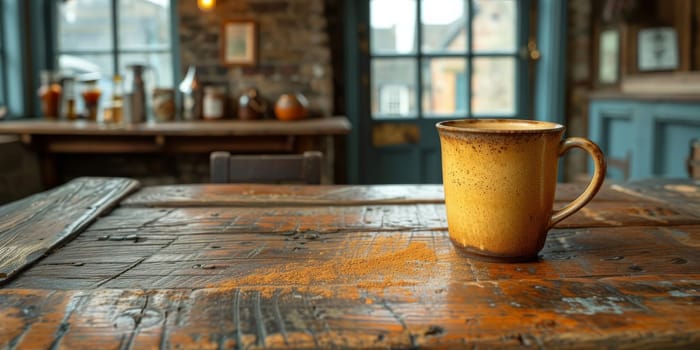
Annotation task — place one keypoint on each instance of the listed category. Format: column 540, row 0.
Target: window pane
column 393, row 24
column 494, row 25
column 161, row 72
column 84, row 25
column 144, row 24
column 444, row 25
column 394, row 88
column 493, row 85
column 444, row 86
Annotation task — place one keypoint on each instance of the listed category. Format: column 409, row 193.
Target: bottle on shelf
column 68, row 104
column 49, row 94
column 192, row 95
column 138, row 104
column 114, row 113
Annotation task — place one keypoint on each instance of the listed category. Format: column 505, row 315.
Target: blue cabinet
column 654, row 137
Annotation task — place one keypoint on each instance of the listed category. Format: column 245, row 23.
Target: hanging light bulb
column 206, row 5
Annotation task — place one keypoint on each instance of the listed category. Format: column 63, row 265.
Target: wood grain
column 266, row 195
column 566, row 313
column 192, row 259
column 31, row 227
column 358, row 267
column 679, row 192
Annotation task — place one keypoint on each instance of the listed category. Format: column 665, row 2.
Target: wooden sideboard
column 644, row 136
column 50, row 138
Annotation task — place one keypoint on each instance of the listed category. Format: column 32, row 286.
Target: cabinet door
column 612, row 126
column 674, row 125
column 648, row 139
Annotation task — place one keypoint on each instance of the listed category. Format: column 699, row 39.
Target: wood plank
column 679, row 192
column 219, row 195
column 624, row 312
column 196, row 260
column 320, row 126
column 283, row 220
column 31, row 227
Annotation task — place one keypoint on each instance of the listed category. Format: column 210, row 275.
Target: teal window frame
column 521, row 103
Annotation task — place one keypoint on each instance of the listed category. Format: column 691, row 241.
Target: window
column 394, row 100
column 107, row 36
column 452, row 58
column 3, row 97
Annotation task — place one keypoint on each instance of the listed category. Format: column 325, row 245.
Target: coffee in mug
column 499, row 177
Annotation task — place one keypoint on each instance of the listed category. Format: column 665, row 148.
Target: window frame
column 418, row 57
column 172, row 49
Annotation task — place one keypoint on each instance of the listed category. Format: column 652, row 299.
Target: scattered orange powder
column 377, row 271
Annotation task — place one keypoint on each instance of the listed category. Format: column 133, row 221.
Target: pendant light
column 206, row 5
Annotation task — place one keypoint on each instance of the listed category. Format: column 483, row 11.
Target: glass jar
column 91, row 96
column 214, row 102
column 164, row 104
column 50, row 95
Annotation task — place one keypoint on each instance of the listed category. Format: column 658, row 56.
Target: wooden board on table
column 30, row 227
column 623, row 312
column 272, row 195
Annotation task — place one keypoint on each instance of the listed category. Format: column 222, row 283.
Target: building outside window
column 107, row 36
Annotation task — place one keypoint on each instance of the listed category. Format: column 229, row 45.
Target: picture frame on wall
column 657, row 49
column 239, row 43
column 609, row 56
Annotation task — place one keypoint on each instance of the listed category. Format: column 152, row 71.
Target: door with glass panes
column 432, row 60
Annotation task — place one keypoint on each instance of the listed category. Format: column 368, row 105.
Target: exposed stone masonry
column 294, row 52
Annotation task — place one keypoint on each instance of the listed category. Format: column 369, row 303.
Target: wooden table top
column 319, row 126
column 100, row 263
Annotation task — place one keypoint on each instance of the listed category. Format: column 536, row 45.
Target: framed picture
column 609, row 56
column 657, row 49
column 239, row 43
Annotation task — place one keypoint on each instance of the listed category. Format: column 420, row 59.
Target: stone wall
column 294, row 50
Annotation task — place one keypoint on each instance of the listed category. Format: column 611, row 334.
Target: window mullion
column 470, row 53
column 115, row 36
column 419, row 59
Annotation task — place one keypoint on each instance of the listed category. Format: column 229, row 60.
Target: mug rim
column 545, row 127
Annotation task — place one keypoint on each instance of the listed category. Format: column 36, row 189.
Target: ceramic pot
column 251, row 105
column 291, row 107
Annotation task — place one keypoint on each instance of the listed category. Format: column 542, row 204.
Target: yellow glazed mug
column 499, row 177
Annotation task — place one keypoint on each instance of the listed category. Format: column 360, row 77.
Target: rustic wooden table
column 50, row 138
column 99, row 263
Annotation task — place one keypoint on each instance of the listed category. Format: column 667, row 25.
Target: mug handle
column 593, row 186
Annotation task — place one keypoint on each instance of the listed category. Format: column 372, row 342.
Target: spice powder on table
column 403, row 267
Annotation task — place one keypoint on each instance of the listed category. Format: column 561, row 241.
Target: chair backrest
column 284, row 168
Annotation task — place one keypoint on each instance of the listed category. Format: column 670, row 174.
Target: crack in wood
column 64, row 326
column 12, row 345
column 278, row 316
column 137, row 326
column 114, row 277
column 261, row 332
column 237, row 319
column 399, row 318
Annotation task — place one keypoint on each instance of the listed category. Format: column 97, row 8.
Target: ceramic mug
column 499, row 177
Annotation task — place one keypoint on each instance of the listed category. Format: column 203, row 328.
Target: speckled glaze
column 499, row 177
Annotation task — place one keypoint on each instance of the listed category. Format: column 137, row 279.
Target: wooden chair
column 293, row 168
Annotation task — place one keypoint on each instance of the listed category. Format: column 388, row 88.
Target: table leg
column 48, row 170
